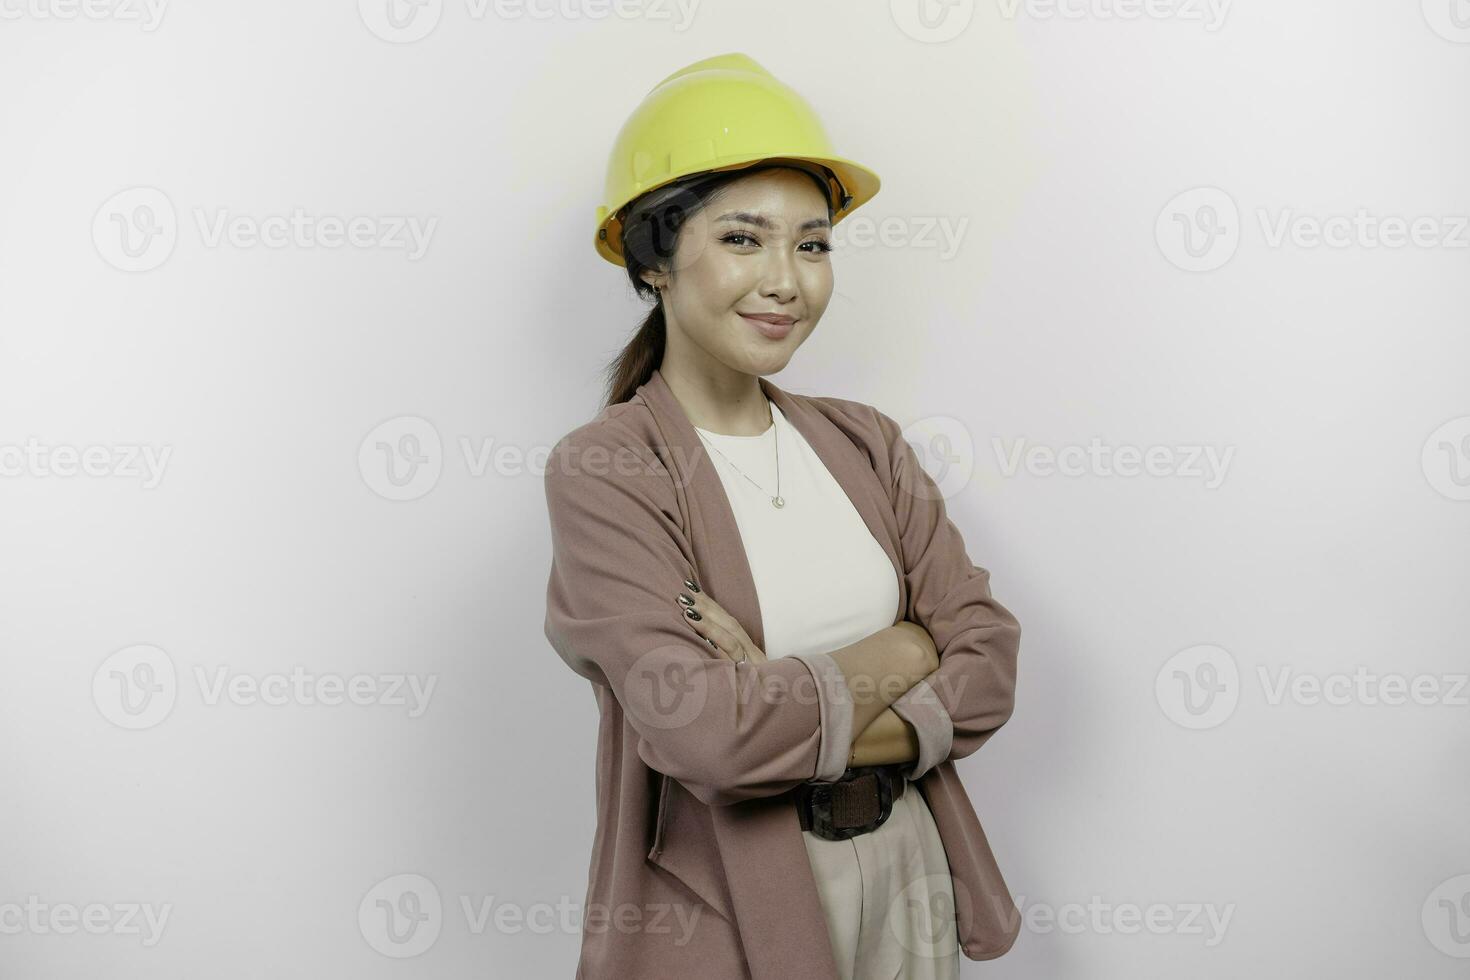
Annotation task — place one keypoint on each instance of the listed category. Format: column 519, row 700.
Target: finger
column 722, row 629
column 701, row 626
column 714, row 613
column 726, row 642
column 717, row 636
column 706, row 608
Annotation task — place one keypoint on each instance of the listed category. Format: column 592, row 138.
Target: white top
column 821, row 578
column 823, row 581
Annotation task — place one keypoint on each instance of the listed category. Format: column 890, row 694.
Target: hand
column 718, row 628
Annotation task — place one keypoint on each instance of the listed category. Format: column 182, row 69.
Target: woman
column 787, row 641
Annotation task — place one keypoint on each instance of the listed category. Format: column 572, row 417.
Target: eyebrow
column 747, row 217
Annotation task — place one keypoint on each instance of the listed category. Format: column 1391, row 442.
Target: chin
column 766, row 364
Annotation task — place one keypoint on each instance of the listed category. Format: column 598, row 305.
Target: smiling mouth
column 767, row 329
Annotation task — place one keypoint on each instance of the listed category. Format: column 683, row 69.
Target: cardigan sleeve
column 959, row 706
column 727, row 732
column 931, row 721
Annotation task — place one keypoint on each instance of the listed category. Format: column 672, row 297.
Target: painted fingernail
column 692, row 586
column 686, row 600
column 692, row 614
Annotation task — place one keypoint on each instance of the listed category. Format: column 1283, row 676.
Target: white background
column 1054, row 142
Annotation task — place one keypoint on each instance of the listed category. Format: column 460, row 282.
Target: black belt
column 858, row 803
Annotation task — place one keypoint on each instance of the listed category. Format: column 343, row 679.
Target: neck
column 729, row 403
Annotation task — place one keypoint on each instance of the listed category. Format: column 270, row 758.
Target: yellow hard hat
column 721, row 113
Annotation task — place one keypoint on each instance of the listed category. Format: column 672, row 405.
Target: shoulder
column 619, row 448
column 628, row 423
column 861, row 421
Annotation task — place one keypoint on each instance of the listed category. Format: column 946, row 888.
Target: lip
column 772, row 326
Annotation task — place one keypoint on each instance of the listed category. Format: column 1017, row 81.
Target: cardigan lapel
column 730, row 574
column 719, row 551
column 760, row 841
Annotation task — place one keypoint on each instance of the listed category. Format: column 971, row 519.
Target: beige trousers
column 888, row 898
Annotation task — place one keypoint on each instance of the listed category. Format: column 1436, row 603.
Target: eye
column 742, row 239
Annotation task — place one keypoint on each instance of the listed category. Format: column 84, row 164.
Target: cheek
column 723, row 287
column 816, row 286
column 727, row 280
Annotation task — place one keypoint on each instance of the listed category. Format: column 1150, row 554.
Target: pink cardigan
column 698, row 864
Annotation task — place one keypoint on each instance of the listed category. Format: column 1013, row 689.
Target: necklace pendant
column 778, row 501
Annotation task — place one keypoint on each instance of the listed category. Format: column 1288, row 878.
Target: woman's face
column 759, row 246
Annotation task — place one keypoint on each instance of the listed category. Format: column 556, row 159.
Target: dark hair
column 651, row 226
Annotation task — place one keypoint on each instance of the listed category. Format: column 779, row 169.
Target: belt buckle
column 823, row 821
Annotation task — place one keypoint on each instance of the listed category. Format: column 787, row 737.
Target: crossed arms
column 618, row 558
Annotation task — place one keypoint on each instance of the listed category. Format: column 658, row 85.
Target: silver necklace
column 777, row 501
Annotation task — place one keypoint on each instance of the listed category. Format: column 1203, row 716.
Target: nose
column 779, row 280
